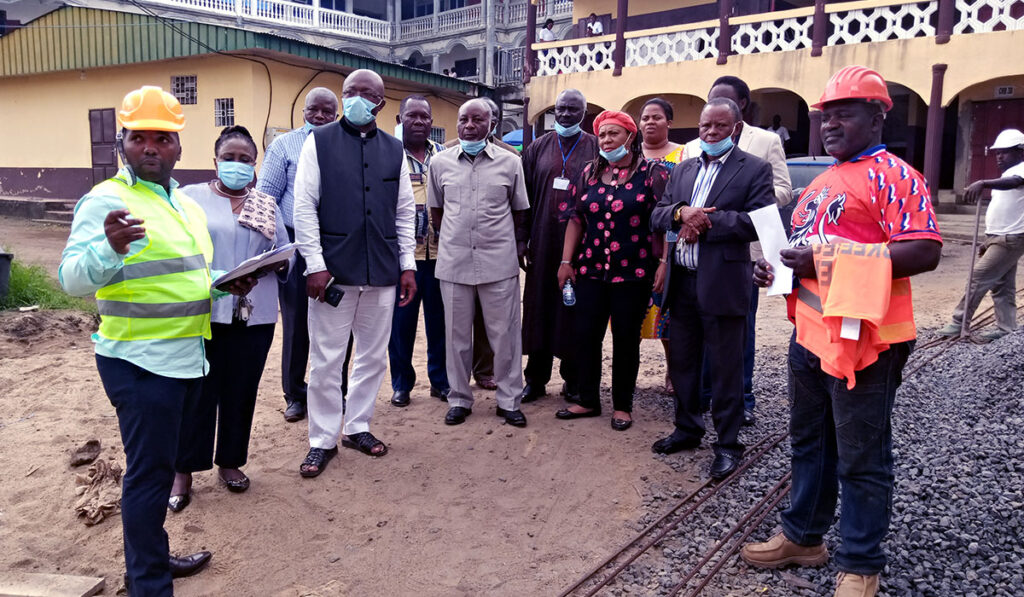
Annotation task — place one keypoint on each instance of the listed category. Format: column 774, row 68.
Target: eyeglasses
column 373, row 97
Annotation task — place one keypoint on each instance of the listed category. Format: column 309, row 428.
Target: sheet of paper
column 250, row 265
column 772, row 235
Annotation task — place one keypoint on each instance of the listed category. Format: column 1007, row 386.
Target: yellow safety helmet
column 151, row 109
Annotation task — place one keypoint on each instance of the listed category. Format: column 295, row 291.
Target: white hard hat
column 1008, row 139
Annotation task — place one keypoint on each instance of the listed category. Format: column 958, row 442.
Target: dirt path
column 479, row 509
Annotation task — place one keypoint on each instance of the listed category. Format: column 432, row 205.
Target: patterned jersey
column 874, row 198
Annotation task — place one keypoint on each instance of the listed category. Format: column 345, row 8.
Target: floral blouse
column 617, row 243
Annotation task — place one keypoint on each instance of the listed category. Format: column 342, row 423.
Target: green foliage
column 31, row 285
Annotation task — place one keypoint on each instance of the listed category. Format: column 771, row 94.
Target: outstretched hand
column 121, row 229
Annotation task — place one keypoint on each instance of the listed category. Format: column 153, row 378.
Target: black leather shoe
column 621, row 424
column 515, row 418
column 457, row 415
column 532, row 392
column 296, row 411
column 567, row 415
column 177, row 503
column 675, row 443
column 189, row 565
column 440, row 394
column 723, row 466
column 400, row 398
column 748, row 417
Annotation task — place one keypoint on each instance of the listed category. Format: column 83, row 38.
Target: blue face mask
column 614, row 155
column 473, row 147
column 308, row 126
column 716, row 149
column 567, row 131
column 235, row 175
column 358, row 110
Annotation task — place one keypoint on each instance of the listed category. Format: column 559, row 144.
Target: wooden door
column 102, row 136
column 988, row 120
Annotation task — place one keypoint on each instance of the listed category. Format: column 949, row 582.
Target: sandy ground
column 478, row 509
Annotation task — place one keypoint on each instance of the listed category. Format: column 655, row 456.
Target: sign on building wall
column 1005, row 91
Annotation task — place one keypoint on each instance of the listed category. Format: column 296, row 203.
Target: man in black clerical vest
column 354, row 223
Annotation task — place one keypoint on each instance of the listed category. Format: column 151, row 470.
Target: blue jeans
column 842, row 442
column 149, row 413
column 403, row 333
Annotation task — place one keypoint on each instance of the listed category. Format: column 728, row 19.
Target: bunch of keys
column 243, row 309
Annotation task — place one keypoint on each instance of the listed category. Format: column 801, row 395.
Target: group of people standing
column 654, row 237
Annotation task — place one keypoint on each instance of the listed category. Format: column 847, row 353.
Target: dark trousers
column 842, row 444
column 294, row 332
column 483, row 356
column 625, row 303
column 748, row 360
column 403, row 333
column 237, row 354
column 149, row 413
column 692, row 333
column 539, row 366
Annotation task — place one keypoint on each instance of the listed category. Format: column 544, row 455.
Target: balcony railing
column 460, row 19
column 510, row 67
column 782, row 31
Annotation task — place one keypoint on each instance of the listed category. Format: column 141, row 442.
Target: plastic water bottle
column 568, row 294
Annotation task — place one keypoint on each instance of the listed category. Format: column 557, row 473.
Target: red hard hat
column 856, row 82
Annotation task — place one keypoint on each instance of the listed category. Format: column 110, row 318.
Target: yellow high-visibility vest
column 163, row 289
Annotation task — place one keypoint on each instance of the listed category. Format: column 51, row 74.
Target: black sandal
column 316, row 461
column 365, row 443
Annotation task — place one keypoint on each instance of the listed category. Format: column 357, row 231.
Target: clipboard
column 266, row 262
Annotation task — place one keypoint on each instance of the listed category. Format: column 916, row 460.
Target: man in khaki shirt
column 477, row 199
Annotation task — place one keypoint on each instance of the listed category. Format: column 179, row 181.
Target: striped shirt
column 687, row 253
column 277, row 175
column 426, row 236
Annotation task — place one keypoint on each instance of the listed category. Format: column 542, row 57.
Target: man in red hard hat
column 860, row 230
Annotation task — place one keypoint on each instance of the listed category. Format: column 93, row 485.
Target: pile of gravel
column 956, row 526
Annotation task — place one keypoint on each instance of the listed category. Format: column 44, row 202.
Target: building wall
column 581, row 9
column 47, row 149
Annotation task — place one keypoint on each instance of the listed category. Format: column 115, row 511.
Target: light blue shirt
column 88, row 262
column 233, row 244
column 277, row 174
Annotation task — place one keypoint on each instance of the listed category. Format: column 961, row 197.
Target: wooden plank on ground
column 28, row 584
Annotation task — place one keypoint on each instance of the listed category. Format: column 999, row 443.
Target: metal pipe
column 965, row 323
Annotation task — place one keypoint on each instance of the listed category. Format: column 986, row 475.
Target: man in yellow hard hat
column 152, row 287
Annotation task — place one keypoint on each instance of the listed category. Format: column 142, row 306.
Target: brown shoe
column 779, row 551
column 855, row 585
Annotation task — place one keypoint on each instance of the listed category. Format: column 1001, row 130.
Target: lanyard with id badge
column 561, row 183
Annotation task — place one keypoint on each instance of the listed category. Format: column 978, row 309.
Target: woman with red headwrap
column 612, row 258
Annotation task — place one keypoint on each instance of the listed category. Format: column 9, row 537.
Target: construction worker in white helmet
column 996, row 270
column 144, row 250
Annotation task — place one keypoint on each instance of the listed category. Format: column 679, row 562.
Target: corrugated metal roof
column 76, row 38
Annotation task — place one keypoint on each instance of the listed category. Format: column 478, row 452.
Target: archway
column 904, row 130
column 685, row 113
column 792, row 110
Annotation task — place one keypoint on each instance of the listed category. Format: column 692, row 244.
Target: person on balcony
column 552, row 164
column 841, row 421
column 707, row 203
column 767, row 146
column 277, row 179
column 355, row 217
column 611, row 256
column 594, row 27
column 547, row 32
column 477, row 200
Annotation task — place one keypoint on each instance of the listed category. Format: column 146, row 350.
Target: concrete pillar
column 481, row 67
column 947, row 16
column 395, row 18
column 621, row 14
column 435, row 63
column 814, row 138
column 489, row 43
column 724, row 30
column 933, row 132
column 348, row 6
column 530, row 56
column 819, row 28
column 437, row 11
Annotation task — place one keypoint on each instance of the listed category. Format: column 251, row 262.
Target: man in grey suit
column 707, row 201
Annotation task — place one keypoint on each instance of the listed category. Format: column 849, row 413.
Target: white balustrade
column 282, row 11
column 355, row 25
column 772, row 36
column 980, row 16
column 883, row 23
column 460, row 19
column 227, row 7
column 516, row 12
column 561, row 8
column 575, row 59
column 695, row 44
column 417, row 28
